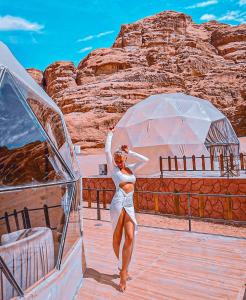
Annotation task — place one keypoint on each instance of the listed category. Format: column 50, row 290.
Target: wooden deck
column 167, row 264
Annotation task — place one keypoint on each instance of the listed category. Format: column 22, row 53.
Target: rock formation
column 163, row 53
column 37, row 75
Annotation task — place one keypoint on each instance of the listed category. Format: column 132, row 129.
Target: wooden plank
column 167, row 264
column 89, row 198
column 156, row 201
column 104, row 199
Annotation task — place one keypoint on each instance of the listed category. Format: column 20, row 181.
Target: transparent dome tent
column 39, row 181
column 175, row 124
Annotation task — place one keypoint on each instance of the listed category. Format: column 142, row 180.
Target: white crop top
column 117, row 176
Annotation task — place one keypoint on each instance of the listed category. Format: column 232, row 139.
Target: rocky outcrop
column 163, row 53
column 37, row 75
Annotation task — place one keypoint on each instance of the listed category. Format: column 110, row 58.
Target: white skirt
column 122, row 200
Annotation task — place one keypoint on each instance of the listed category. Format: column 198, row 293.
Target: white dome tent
column 175, row 125
column 40, row 230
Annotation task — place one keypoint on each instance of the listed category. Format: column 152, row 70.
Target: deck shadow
column 102, row 278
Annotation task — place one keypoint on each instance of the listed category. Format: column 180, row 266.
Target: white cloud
column 84, row 49
column 104, row 33
column 234, row 15
column 242, row 2
column 86, row 38
column 10, row 23
column 203, row 4
column 91, row 37
column 208, row 17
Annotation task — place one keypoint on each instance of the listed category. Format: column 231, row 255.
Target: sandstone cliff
column 163, row 53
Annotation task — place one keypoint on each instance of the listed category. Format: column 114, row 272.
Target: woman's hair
column 120, row 152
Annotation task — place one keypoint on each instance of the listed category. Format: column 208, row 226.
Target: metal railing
column 227, row 165
column 184, row 210
column 26, row 217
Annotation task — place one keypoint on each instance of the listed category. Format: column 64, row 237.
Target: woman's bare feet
column 128, row 276
column 123, row 278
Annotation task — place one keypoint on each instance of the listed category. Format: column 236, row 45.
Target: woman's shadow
column 101, row 277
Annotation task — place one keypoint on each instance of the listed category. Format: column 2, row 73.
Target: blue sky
column 40, row 32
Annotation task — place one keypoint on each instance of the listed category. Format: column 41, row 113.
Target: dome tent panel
column 200, row 127
column 52, row 122
column 27, row 157
column 40, row 100
column 10, row 62
column 222, row 139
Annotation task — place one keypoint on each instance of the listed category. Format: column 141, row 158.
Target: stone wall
column 219, row 207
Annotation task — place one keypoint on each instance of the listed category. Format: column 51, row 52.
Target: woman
column 121, row 208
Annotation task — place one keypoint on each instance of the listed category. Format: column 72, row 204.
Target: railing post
column 194, row 162
column 176, row 163
column 184, row 162
column 26, row 213
column 241, row 161
column 201, row 202
column 104, row 199
column 231, row 161
column 23, row 219
column 156, row 201
column 16, row 219
column 169, row 163
column 229, row 208
column 221, row 162
column 98, row 206
column 203, row 162
column 89, row 198
column 161, row 167
column 46, row 215
column 212, row 162
column 136, row 200
column 7, row 222
column 189, row 212
column 177, row 203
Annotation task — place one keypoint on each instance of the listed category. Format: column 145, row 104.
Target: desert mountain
column 163, row 53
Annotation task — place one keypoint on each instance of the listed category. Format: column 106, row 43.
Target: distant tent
column 175, row 124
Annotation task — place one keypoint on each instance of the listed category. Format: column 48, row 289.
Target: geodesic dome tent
column 39, row 174
column 175, row 125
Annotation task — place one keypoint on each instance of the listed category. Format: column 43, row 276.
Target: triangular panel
column 26, row 157
column 52, row 122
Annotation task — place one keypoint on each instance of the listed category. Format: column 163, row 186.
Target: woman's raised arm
column 108, row 153
column 142, row 160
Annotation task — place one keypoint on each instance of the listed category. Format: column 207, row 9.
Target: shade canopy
column 174, row 125
column 35, row 147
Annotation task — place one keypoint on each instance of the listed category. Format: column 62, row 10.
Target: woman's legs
column 129, row 227
column 118, row 233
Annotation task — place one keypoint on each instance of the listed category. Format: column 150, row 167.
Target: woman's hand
column 125, row 148
column 111, row 128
